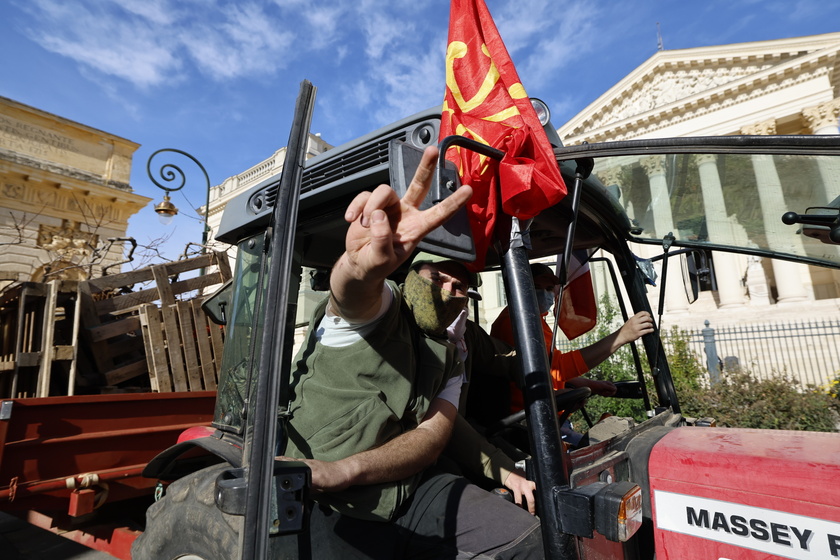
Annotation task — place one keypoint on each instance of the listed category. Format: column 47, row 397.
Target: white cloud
column 341, row 52
column 521, row 23
column 566, row 41
column 160, row 12
column 409, row 82
column 321, row 25
column 381, row 32
column 245, row 42
column 148, row 42
column 543, row 36
column 91, row 35
column 358, row 94
column 325, row 24
column 153, row 42
column 803, row 10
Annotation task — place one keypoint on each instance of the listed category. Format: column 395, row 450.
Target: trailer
column 97, row 377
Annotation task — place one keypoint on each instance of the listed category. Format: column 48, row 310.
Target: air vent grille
column 336, row 168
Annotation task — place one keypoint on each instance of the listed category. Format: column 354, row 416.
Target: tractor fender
column 195, row 450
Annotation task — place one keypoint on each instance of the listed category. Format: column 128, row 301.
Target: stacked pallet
column 104, row 335
column 31, row 337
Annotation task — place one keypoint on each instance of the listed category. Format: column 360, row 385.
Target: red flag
column 578, row 308
column 485, row 101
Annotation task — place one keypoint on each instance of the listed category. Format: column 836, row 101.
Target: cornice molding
column 764, row 128
column 823, row 115
column 45, row 118
column 61, row 170
column 653, row 165
column 88, row 204
column 703, row 159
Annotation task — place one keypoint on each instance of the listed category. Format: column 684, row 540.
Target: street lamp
column 166, row 210
column 169, row 172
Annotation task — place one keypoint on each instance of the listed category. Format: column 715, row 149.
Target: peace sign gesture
column 384, row 231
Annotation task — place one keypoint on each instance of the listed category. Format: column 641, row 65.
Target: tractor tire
column 186, row 524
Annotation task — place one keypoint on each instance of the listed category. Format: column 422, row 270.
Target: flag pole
column 582, row 172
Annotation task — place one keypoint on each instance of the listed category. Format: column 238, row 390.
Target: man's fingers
column 382, row 198
column 381, row 241
column 355, row 208
column 526, row 499
column 445, row 209
column 532, row 509
column 399, row 224
column 366, row 202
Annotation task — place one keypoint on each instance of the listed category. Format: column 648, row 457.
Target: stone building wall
column 64, row 191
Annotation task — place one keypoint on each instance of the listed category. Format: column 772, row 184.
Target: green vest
column 351, row 399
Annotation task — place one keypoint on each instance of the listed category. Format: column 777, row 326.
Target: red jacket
column 564, row 366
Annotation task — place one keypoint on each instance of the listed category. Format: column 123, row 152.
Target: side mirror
column 452, row 239
column 691, row 271
column 690, row 276
column 217, row 306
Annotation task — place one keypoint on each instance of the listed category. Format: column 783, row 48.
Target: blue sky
column 219, row 79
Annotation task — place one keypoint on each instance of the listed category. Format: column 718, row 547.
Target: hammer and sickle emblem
column 459, row 49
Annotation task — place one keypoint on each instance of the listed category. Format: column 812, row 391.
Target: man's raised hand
column 384, row 231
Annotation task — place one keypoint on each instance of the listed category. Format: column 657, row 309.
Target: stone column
column 663, row 221
column 727, row 273
column 611, row 178
column 789, row 284
column 757, row 282
column 823, row 118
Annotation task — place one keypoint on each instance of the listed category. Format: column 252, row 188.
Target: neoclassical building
column 64, row 191
column 785, row 86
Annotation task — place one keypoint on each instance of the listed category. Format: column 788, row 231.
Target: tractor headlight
column 542, row 110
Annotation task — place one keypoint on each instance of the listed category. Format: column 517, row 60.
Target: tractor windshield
column 740, row 194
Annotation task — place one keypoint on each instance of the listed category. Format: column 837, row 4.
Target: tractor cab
column 658, row 215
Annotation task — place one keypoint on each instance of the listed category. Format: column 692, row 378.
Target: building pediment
column 680, row 78
column 669, row 83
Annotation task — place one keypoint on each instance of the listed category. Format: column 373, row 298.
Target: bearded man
column 375, row 398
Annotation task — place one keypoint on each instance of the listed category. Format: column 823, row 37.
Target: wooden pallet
column 124, row 348
column 184, row 348
column 157, row 337
column 34, row 319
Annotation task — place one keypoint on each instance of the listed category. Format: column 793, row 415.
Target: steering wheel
column 567, row 401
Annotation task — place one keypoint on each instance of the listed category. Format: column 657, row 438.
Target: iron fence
column 807, row 351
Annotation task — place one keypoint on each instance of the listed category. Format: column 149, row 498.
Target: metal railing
column 806, row 351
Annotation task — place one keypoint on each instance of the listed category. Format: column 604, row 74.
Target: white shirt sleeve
column 336, row 331
column 452, row 391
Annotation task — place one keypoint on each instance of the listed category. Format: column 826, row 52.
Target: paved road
column 21, row 541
